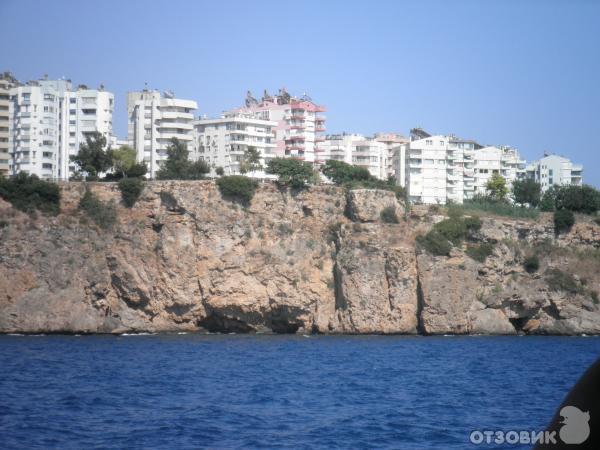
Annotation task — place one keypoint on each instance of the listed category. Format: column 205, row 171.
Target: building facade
column 153, row 121
column 49, row 120
column 300, row 123
column 357, row 150
column 554, row 170
column 223, row 142
column 395, row 157
column 440, row 168
column 7, row 82
column 503, row 161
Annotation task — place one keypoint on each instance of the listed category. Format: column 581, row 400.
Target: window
column 72, row 100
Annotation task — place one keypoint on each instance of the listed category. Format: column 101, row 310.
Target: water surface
column 234, row 391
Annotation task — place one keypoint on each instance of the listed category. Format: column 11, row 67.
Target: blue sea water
column 241, row 391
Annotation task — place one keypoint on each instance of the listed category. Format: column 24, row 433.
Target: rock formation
column 313, row 261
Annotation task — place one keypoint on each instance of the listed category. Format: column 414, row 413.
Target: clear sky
column 524, row 73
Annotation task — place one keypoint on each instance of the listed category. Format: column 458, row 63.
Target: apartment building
column 300, row 123
column 503, row 161
column 223, row 142
column 154, row 119
column 440, row 168
column 357, row 150
column 395, row 157
column 7, row 82
column 50, row 120
column 555, row 170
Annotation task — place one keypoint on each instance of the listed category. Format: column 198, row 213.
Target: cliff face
column 185, row 259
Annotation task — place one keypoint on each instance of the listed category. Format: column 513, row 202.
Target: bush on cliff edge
column 237, row 187
column 131, row 189
column 104, row 214
column 29, row 193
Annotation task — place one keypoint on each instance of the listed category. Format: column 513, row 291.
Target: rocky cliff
column 313, row 261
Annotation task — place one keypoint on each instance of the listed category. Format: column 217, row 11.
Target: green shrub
column 104, row 214
column 597, row 220
column 562, row 281
column 527, row 191
column 219, row 171
column 340, row 172
column 237, row 187
column 480, row 252
column 28, row 193
column 374, row 183
column 291, row 172
column 454, row 230
column 131, row 189
column 137, row 170
column 584, row 199
column 496, row 207
column 435, row 243
column 531, row 263
column 473, row 223
column 177, row 166
column 388, row 215
column 563, row 220
column 594, row 295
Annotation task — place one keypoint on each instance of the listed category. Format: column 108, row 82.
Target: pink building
column 300, row 123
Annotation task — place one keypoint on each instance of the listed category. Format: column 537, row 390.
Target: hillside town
column 44, row 122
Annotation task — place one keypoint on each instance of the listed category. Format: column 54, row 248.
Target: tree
column 237, row 187
column 496, row 188
column 178, row 166
column 123, row 159
column 137, row 170
column 340, row 172
column 563, row 220
column 250, row 161
column 584, row 199
column 93, row 158
column 527, row 191
column 291, row 172
column 28, row 193
column 548, row 201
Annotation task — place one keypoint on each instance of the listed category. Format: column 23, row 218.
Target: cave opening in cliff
column 215, row 323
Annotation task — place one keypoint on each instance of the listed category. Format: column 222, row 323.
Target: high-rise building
column 555, row 170
column 7, row 82
column 357, row 150
column 440, row 168
column 396, row 145
column 154, row 120
column 223, row 142
column 49, row 121
column 300, row 124
column 503, row 161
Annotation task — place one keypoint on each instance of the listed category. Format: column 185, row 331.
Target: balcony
column 319, row 128
column 297, row 127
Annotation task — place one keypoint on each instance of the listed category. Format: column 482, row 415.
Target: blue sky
column 516, row 72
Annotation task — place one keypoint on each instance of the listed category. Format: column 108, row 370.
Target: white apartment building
column 504, row 161
column 300, row 123
column 155, row 119
column 50, row 120
column 396, row 146
column 555, row 170
column 222, row 142
column 7, row 82
column 440, row 168
column 357, row 150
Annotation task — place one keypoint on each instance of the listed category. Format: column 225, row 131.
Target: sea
column 214, row 391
